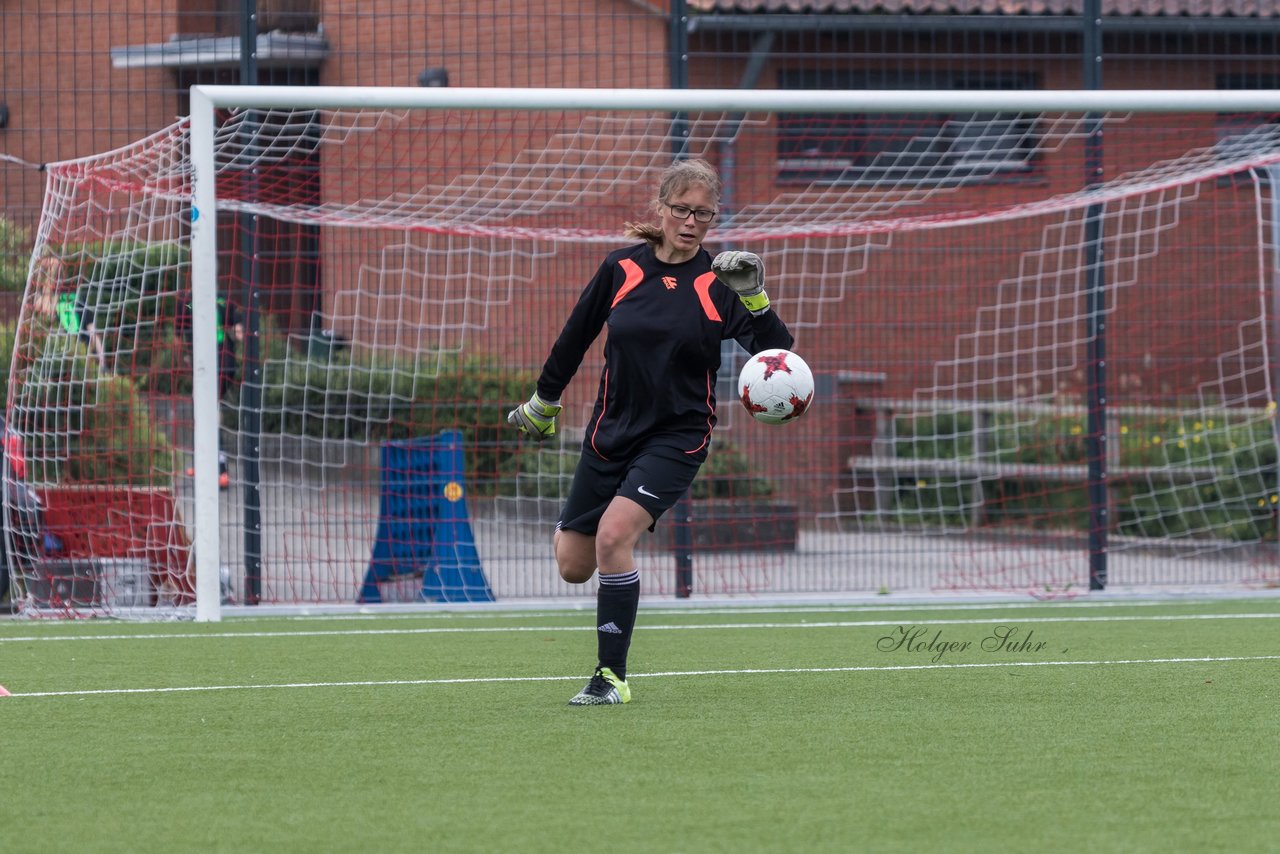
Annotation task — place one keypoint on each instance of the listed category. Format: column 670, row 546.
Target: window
column 925, row 148
column 289, row 150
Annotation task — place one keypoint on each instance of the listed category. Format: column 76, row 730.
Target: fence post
column 1096, row 309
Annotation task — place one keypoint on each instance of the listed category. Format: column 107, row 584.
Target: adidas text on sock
column 616, row 603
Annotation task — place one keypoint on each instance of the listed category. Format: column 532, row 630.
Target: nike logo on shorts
column 643, row 491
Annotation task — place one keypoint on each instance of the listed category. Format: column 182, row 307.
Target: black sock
column 616, row 604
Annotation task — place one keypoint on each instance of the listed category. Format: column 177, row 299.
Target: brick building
column 80, row 80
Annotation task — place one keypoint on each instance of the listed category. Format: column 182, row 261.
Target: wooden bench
column 885, row 468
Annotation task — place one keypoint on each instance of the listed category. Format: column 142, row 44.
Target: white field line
column 588, row 605
column 754, row 671
column 466, row 630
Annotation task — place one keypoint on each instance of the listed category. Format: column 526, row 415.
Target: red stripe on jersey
column 702, row 285
column 634, row 277
column 706, row 437
column 604, row 404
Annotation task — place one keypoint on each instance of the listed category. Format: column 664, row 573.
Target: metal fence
column 79, row 80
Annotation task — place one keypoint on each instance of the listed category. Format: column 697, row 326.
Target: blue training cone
column 423, row 523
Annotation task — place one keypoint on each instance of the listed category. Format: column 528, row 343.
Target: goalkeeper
column 668, row 306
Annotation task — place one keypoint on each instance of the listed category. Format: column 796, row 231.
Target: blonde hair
column 47, row 274
column 676, row 178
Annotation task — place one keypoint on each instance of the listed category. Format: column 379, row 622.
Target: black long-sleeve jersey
column 662, row 353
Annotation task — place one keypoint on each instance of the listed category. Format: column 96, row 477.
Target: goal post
column 946, row 259
column 204, row 356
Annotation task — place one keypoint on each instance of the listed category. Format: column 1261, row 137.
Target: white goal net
column 276, row 343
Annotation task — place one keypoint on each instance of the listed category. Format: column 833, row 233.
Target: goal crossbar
column 208, row 97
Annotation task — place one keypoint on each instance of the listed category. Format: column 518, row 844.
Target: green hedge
column 82, row 426
column 1240, row 504
column 336, row 397
column 131, row 291
column 727, row 473
column 15, row 256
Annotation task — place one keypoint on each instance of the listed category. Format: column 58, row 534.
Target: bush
column 1240, row 504
column 345, row 398
column 168, row 371
column 131, row 292
column 728, row 473
column 95, row 429
column 117, row 443
column 342, row 398
column 15, row 256
column 82, row 426
column 8, row 332
column 545, row 472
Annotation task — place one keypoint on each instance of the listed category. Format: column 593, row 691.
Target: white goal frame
column 205, row 99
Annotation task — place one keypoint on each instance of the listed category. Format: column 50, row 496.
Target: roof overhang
column 275, row 49
column 850, row 23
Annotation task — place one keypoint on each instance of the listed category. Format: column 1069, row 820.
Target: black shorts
column 655, row 478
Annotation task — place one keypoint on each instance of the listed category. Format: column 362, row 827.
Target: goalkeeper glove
column 537, row 417
column 743, row 273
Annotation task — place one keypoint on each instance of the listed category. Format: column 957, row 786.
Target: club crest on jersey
column 670, row 282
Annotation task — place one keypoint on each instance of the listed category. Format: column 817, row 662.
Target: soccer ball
column 775, row 386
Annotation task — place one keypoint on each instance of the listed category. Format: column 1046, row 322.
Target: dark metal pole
column 679, row 62
column 250, row 425
column 1096, row 310
column 682, row 513
column 1273, row 186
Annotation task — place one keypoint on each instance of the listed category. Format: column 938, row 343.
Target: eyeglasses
column 700, row 214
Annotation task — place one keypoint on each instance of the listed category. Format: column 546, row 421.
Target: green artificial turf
column 839, row 729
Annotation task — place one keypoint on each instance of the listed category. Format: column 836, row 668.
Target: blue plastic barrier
column 423, row 525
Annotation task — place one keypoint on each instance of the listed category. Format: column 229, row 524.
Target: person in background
column 667, row 306
column 65, row 306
